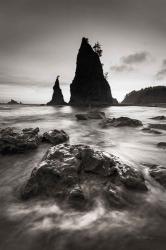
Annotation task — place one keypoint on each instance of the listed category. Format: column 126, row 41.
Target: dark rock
column 131, row 177
column 158, row 126
column 13, row 102
column 149, row 95
column 67, row 171
column 115, row 101
column 161, row 145
column 55, row 136
column 96, row 115
column 161, row 117
column 76, row 197
column 115, row 196
column 119, row 122
column 91, row 115
column 57, row 97
column 32, row 131
column 151, row 131
column 159, row 174
column 81, row 116
column 15, row 142
column 89, row 86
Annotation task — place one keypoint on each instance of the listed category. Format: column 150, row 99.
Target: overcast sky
column 39, row 39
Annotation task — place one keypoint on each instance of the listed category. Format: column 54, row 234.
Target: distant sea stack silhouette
column 89, row 86
column 151, row 95
column 57, row 97
column 12, row 102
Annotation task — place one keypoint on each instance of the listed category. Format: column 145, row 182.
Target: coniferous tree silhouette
column 97, row 49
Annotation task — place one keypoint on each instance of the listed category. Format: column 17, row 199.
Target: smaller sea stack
column 57, row 97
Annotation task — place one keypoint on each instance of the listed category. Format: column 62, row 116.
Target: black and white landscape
column 82, row 125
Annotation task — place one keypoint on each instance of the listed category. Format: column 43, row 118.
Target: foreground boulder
column 91, row 115
column 119, row 122
column 18, row 142
column 77, row 174
column 55, row 136
column 159, row 174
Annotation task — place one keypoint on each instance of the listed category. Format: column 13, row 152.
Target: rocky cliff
column 149, row 95
column 89, row 86
column 57, row 97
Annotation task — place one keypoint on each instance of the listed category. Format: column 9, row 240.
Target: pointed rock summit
column 89, row 86
column 57, row 97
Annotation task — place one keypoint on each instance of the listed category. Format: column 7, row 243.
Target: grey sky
column 39, row 39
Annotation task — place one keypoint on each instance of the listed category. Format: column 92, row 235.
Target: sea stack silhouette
column 57, row 97
column 89, row 86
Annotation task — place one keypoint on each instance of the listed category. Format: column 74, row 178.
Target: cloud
column 128, row 62
column 121, row 68
column 161, row 74
column 136, row 58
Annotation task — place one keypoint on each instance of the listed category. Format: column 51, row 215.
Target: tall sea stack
column 89, row 86
column 57, row 97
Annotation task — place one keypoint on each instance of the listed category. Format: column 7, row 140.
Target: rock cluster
column 12, row 141
column 160, row 117
column 162, row 145
column 57, row 97
column 151, row 131
column 75, row 173
column 55, row 136
column 91, row 115
column 16, row 142
column 89, row 86
column 161, row 126
column 119, row 122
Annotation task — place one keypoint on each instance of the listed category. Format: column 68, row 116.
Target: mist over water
column 45, row 224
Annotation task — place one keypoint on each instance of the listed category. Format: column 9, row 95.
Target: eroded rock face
column 73, row 172
column 55, row 136
column 91, row 115
column 159, row 174
column 18, row 142
column 57, row 97
column 119, row 122
column 89, row 86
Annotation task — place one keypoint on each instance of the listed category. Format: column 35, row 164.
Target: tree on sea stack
column 89, row 86
column 57, row 97
column 97, row 49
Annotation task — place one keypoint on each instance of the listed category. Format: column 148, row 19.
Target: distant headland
column 151, row 95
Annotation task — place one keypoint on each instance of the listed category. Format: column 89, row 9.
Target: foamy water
column 45, row 225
